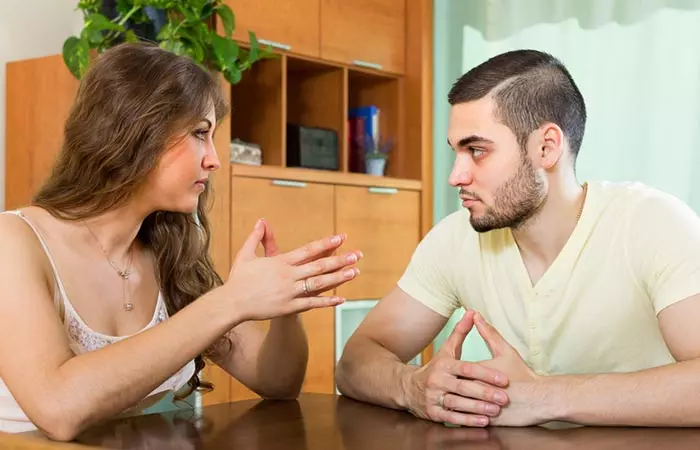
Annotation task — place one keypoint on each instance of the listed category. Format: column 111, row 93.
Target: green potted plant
column 186, row 27
column 376, row 154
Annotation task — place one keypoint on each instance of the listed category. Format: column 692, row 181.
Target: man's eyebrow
column 470, row 140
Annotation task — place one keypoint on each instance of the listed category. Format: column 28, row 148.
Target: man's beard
column 517, row 201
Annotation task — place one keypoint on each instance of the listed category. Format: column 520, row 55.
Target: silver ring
column 441, row 401
column 306, row 286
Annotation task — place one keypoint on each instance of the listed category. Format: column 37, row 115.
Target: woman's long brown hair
column 132, row 103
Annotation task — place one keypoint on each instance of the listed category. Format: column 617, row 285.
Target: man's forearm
column 662, row 396
column 283, row 357
column 368, row 372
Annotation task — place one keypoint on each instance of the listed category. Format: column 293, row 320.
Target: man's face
column 497, row 180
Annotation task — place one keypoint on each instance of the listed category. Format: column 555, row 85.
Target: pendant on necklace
column 124, row 274
column 128, row 306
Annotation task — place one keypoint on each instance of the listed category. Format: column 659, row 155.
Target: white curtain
column 636, row 62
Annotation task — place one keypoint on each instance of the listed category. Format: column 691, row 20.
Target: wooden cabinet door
column 369, row 33
column 290, row 25
column 384, row 223
column 298, row 213
column 40, row 93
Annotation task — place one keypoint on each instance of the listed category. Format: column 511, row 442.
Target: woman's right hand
column 287, row 283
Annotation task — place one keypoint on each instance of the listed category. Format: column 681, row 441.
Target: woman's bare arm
column 63, row 394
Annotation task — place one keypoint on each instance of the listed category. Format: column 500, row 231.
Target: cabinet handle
column 385, row 191
column 367, row 64
column 288, row 183
column 273, row 44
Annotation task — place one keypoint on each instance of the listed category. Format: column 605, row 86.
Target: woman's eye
column 201, row 134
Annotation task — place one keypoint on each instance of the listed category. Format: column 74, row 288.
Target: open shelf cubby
column 302, row 91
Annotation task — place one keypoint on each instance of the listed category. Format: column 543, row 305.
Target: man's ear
column 551, row 145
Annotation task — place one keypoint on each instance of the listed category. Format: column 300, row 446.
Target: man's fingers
column 475, row 371
column 453, row 344
column 493, row 339
column 469, row 405
column 479, row 390
column 458, row 418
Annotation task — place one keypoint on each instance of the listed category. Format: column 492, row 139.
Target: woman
column 109, row 298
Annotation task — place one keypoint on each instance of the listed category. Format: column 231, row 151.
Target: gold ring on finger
column 306, row 286
column 441, row 401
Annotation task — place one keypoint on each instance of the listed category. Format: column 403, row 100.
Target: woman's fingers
column 313, row 250
column 306, row 303
column 321, row 283
column 329, row 264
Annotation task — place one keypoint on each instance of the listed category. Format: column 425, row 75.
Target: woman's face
column 183, row 171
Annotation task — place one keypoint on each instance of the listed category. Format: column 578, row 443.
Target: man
column 587, row 295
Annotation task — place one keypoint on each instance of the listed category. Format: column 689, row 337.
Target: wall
column 29, row 29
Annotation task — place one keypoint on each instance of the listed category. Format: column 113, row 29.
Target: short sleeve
column 664, row 245
column 427, row 277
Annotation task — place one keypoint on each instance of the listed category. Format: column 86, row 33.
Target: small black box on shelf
column 312, row 148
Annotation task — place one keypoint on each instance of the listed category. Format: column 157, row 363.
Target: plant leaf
column 254, row 47
column 76, row 56
column 130, row 36
column 92, row 35
column 193, row 45
column 228, row 19
column 167, row 32
column 225, row 49
column 233, row 75
column 90, row 6
column 100, row 23
column 123, row 7
column 176, row 47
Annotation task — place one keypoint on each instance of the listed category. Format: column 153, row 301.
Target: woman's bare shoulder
column 19, row 242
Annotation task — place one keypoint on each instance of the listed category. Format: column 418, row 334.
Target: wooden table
column 319, row 421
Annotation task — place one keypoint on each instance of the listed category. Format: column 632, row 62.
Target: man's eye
column 476, row 151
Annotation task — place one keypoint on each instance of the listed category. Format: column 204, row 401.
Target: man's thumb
column 453, row 345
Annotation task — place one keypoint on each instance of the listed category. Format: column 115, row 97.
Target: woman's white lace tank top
column 83, row 339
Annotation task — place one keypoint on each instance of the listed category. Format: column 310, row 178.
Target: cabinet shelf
column 324, row 176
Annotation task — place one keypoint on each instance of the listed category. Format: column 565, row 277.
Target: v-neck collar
column 561, row 266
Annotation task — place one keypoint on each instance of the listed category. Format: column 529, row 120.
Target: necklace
column 123, row 274
column 580, row 211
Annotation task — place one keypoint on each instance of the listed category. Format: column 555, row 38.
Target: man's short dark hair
column 529, row 88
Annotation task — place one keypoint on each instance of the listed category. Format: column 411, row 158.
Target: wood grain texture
column 372, row 31
column 290, row 22
column 40, row 93
column 385, row 227
column 328, row 422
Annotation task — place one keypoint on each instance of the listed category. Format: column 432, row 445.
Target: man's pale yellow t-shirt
column 634, row 252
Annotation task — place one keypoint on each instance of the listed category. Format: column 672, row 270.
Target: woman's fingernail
column 349, row 273
column 335, row 240
column 258, row 223
column 351, row 258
